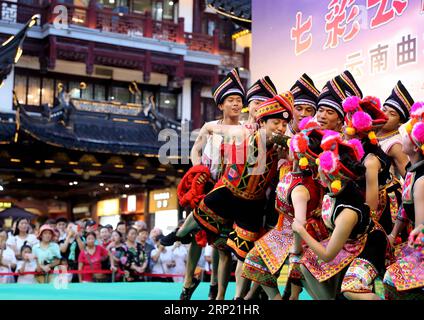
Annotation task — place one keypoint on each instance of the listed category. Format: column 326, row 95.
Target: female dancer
column 355, row 253
column 405, row 278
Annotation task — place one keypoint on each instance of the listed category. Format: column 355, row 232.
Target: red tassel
column 201, row 238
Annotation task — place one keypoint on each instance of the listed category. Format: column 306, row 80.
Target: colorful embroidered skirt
column 323, row 271
column 406, row 275
column 273, row 249
column 363, row 259
column 255, row 269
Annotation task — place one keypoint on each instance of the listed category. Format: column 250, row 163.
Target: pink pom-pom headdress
column 415, row 126
column 308, row 123
column 329, row 160
column 363, row 116
column 300, row 143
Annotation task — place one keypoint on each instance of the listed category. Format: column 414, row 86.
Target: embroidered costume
column 363, row 117
column 304, row 93
column 404, row 279
column 265, row 260
column 363, row 256
column 233, row 210
column 338, row 89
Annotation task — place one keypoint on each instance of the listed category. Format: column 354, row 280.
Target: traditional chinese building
column 80, row 134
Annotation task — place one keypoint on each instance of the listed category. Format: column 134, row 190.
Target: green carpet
column 109, row 291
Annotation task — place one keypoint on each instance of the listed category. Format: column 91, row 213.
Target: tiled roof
column 93, row 133
column 239, row 11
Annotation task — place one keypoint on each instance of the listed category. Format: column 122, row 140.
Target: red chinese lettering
column 384, row 14
column 299, row 31
column 337, row 20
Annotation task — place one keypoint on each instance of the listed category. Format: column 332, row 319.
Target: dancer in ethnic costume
column 305, row 102
column 206, row 155
column 262, row 90
column 363, row 118
column 405, row 278
column 330, row 114
column 298, row 197
column 259, row 92
column 396, row 108
column 356, row 251
column 239, row 195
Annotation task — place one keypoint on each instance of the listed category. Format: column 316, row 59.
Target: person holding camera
column 163, row 261
column 71, row 246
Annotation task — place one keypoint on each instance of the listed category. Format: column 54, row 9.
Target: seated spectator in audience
column 90, row 259
column 7, row 258
column 71, row 246
column 122, row 228
column 47, row 253
column 21, row 236
column 105, row 236
column 27, row 263
column 61, row 224
column 137, row 257
column 162, row 260
column 119, row 253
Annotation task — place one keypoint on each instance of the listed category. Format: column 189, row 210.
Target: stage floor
column 110, row 291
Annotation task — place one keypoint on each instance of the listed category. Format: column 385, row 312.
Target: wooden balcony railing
column 201, row 42
column 105, row 20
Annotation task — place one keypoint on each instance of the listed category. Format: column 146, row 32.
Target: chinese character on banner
column 337, row 20
column 379, row 59
column 406, row 50
column 299, row 31
column 385, row 15
column 354, row 63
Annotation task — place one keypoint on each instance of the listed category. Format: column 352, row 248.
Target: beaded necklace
column 388, row 135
